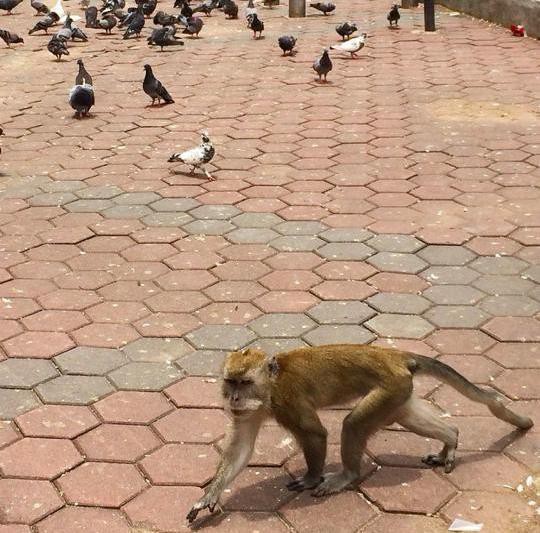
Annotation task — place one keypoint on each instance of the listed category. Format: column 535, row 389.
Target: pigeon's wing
column 195, row 156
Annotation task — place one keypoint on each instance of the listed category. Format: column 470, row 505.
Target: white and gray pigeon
column 323, row 65
column 81, row 96
column 9, row 5
column 154, row 88
column 250, row 9
column 352, row 45
column 197, row 157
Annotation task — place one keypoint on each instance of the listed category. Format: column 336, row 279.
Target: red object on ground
column 517, row 30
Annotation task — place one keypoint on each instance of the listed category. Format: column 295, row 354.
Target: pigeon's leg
column 211, row 178
column 192, row 170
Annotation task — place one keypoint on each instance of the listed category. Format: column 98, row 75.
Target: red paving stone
column 434, row 154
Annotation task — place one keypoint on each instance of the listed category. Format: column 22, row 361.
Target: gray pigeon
column 45, row 23
column 81, row 96
column 287, row 44
column 193, row 25
column 394, row 16
column 346, row 29
column 83, row 78
column 197, row 157
column 162, row 19
column 8, row 5
column 40, row 7
column 206, row 7
column 10, row 38
column 323, row 7
column 1, row 133
column 230, row 8
column 107, row 22
column 323, row 65
column 91, row 16
column 164, row 37
column 57, row 46
column 154, row 89
column 135, row 24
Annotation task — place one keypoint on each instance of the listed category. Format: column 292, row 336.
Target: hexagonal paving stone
column 450, row 275
column 460, row 341
column 341, row 312
column 522, row 329
column 499, row 266
column 101, row 484
column 501, row 285
column 516, row 355
column 297, row 243
column 180, row 464
column 350, row 251
column 406, row 524
column 453, row 295
column 406, row 326
column 395, row 243
column 446, row 255
column 387, row 302
column 196, row 392
column 21, row 459
column 132, row 407
column 338, row 334
column 145, row 376
column 256, row 220
column 25, row 373
column 220, row 337
column 252, row 235
column 90, row 361
column 156, row 349
column 14, row 402
column 76, row 390
column 43, row 344
column 75, row 519
column 520, row 383
column 203, row 362
column 282, row 325
column 510, row 305
column 456, row 316
column 198, row 426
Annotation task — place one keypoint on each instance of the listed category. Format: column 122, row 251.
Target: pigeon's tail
column 175, row 158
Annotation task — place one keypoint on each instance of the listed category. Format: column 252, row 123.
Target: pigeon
column 8, row 5
column 90, row 16
column 154, row 89
column 135, row 24
column 57, row 46
column 197, row 157
column 323, row 65
column 287, row 43
column 66, row 32
column 164, row 36
column 323, row 7
column 45, row 23
column 1, row 133
column 10, row 38
column 250, row 9
column 206, row 7
column 394, row 16
column 81, row 96
column 271, row 3
column 40, row 7
column 352, row 45
column 76, row 32
column 185, row 10
column 255, row 25
column 162, row 19
column 346, row 29
column 193, row 25
column 148, row 6
column 230, row 8
column 107, row 22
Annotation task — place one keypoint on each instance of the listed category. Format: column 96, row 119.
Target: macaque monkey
column 292, row 385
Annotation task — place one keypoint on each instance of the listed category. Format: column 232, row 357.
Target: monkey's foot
column 304, row 483
column 437, row 459
column 335, row 482
column 206, row 502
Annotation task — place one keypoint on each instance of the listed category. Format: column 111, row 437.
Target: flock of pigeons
column 111, row 14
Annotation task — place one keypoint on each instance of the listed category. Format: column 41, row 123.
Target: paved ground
column 398, row 204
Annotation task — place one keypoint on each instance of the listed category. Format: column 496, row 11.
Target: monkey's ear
column 273, row 366
column 245, row 351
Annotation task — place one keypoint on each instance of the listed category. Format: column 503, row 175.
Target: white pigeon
column 352, row 45
column 58, row 8
column 197, row 157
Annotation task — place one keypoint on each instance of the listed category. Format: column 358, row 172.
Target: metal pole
column 429, row 15
column 297, row 8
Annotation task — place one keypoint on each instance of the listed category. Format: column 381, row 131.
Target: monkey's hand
column 208, row 501
column 304, row 483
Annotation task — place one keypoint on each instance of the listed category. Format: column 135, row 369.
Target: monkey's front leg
column 235, row 457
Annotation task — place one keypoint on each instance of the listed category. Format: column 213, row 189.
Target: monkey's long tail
column 494, row 401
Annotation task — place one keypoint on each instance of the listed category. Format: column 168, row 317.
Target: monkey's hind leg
column 421, row 417
column 369, row 415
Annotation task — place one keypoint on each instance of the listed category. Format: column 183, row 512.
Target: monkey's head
column 246, row 381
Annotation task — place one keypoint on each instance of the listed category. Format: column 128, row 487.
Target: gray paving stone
column 409, row 304
column 90, row 361
column 22, row 192
column 499, row 266
column 510, row 305
column 341, row 312
column 251, row 235
column 145, row 376
column 272, row 345
column 346, row 235
column 282, row 325
column 214, row 212
column 297, row 243
column 208, row 227
column 402, row 326
column 395, row 243
column 174, row 204
column 52, row 199
column 136, row 198
column 397, row 262
column 89, row 206
column 450, row 275
column 64, row 186
column 167, row 219
column 14, row 402
column 256, row 220
column 25, row 373
column 346, row 251
column 504, row 285
column 446, row 255
column 202, row 362
column 338, row 334
column 532, row 273
column 453, row 294
column 220, row 337
column 456, row 316
column 297, row 227
column 102, row 192
column 128, row 211
column 74, row 390
column 150, row 349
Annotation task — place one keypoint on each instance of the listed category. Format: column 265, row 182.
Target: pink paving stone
column 105, row 335
column 522, row 329
column 335, row 270
column 246, row 523
column 117, row 312
column 13, row 528
column 343, row 512
column 460, row 341
column 13, row 308
column 446, row 236
column 7, row 433
column 290, row 280
column 25, row 501
column 58, row 421
column 9, row 328
column 343, row 290
column 192, row 425
column 274, row 445
column 477, row 369
column 26, row 288
column 516, row 355
column 180, row 464
column 193, row 260
column 520, row 384
column 117, row 442
column 55, row 321
column 294, row 260
column 69, row 299
column 286, row 301
column 101, row 484
column 84, row 520
column 493, row 245
column 234, row 291
column 402, row 283
column 408, row 490
column 162, row 508
column 132, row 407
column 196, row 392
column 406, row 524
column 484, row 433
column 39, row 344
column 24, row 458
column 186, row 280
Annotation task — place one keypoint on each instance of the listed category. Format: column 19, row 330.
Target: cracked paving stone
column 85, row 360
column 403, row 326
column 341, row 312
column 446, row 255
column 282, row 325
column 397, row 262
column 338, row 334
column 409, row 304
column 145, row 376
column 76, row 390
column 404, row 244
column 14, row 402
column 350, row 251
column 220, row 337
column 157, row 350
column 25, row 373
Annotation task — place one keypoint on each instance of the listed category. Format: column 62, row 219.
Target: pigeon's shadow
column 189, row 174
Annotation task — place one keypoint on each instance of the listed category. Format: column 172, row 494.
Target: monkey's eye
column 230, row 381
column 246, row 382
